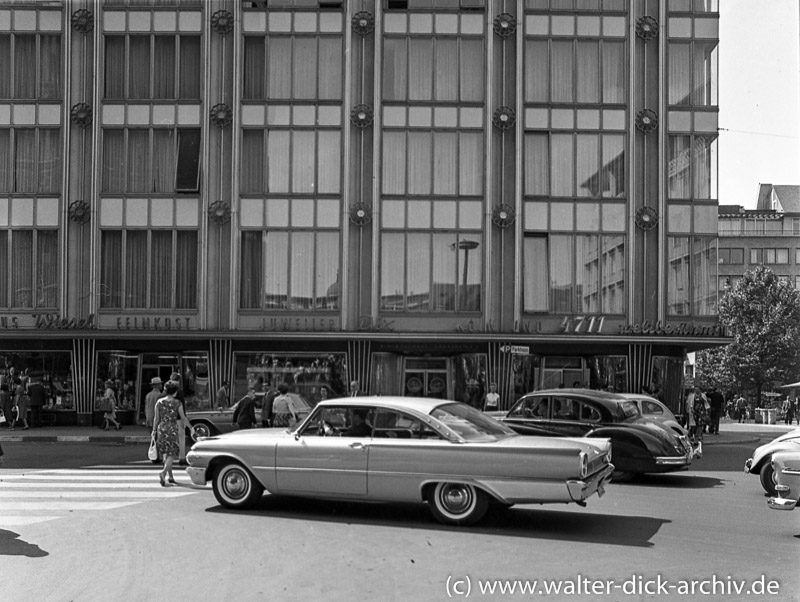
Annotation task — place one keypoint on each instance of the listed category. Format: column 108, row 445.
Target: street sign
column 516, row 349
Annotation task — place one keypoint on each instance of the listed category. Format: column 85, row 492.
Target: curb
column 75, row 439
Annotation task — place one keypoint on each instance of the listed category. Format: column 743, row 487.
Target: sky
column 759, row 97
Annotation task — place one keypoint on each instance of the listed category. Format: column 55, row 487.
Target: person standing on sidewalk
column 21, row 403
column 717, row 403
column 741, row 409
column 6, row 403
column 37, row 396
column 150, row 401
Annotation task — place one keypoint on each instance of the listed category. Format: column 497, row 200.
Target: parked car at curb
column 653, row 409
column 639, row 445
column 207, row 423
column 402, row 449
column 761, row 461
column 786, row 468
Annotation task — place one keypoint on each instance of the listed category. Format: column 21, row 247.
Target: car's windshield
column 469, row 423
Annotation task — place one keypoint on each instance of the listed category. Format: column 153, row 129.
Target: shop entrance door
column 149, row 371
column 426, row 377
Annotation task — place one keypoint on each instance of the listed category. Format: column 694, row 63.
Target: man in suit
column 37, row 396
column 355, row 389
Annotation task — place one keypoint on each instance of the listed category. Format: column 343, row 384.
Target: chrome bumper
column 684, row 460
column 781, row 503
column 580, row 490
column 197, row 474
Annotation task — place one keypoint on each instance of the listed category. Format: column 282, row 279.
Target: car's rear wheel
column 767, row 475
column 457, row 503
column 201, row 429
column 235, row 487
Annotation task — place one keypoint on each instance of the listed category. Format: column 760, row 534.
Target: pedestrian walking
column 38, row 397
column 150, row 400
column 169, row 422
column 283, row 411
column 244, row 416
column 223, row 397
column 21, row 405
column 6, row 404
column 175, row 377
column 110, row 413
column 716, row 405
column 491, row 399
column 700, row 414
column 741, row 409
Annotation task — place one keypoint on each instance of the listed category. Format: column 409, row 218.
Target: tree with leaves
column 762, row 314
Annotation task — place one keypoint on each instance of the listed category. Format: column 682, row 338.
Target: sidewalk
column 729, row 433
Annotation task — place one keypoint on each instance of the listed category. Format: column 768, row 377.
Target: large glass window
column 433, row 69
column 692, row 276
column 291, row 259
column 574, row 274
column 30, row 160
column 431, row 255
column 151, row 160
column 149, row 269
column 315, row 376
column 575, row 164
column 29, row 269
column 692, row 167
column 54, row 368
column 31, row 66
column 692, row 71
column 152, row 67
column 575, row 71
column 293, row 67
column 300, row 161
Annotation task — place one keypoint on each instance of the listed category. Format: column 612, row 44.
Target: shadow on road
column 11, row 545
column 525, row 521
column 675, row 481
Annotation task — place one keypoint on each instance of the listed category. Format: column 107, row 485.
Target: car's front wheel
column 457, row 503
column 767, row 475
column 201, row 430
column 235, row 487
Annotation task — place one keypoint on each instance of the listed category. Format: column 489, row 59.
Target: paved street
column 96, row 531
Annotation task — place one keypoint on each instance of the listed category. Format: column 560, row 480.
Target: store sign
column 516, row 349
column 685, row 329
column 56, row 322
column 304, row 324
column 152, row 323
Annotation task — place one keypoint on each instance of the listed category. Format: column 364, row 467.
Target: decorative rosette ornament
column 646, row 28
column 219, row 212
column 646, row 120
column 221, row 115
column 79, row 212
column 222, row 22
column 505, row 25
column 360, row 214
column 646, row 218
column 362, row 116
column 83, row 21
column 81, row 114
column 504, row 118
column 363, row 23
column 503, row 215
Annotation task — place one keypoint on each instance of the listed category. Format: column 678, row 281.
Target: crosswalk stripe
column 32, row 497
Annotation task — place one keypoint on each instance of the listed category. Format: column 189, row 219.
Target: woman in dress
column 283, row 410
column 21, row 401
column 169, row 415
column 6, row 403
column 110, row 416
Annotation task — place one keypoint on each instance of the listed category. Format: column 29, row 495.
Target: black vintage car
column 638, row 445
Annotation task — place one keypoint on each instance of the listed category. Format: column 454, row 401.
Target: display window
column 313, row 376
column 54, row 368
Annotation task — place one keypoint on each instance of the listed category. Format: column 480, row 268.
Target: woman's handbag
column 152, row 453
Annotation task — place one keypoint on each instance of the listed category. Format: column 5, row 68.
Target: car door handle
column 357, row 445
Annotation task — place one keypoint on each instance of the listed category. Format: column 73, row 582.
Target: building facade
column 767, row 235
column 421, row 195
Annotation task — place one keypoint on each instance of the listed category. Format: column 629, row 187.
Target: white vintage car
column 401, row 449
column 786, row 468
column 761, row 461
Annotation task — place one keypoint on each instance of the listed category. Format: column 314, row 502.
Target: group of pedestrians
column 19, row 396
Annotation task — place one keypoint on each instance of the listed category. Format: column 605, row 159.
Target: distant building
column 768, row 235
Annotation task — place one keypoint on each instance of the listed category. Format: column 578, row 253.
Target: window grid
column 28, row 269
column 692, row 276
column 31, row 66
column 149, row 269
column 30, row 160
